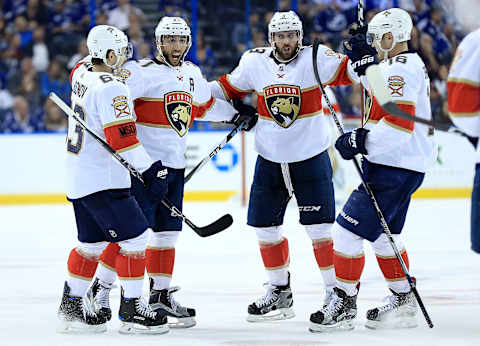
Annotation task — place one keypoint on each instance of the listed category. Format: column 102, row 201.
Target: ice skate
column 399, row 312
column 137, row 317
column 275, row 305
column 77, row 317
column 339, row 314
column 162, row 302
column 98, row 296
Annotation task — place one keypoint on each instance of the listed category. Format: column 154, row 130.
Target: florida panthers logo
column 283, row 103
column 178, row 108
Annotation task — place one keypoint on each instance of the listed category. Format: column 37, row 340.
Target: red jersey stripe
column 121, row 135
column 341, row 76
column 377, row 113
column 463, row 98
column 231, row 91
column 200, row 110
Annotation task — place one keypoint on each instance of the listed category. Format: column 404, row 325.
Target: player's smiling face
column 286, row 43
column 173, row 48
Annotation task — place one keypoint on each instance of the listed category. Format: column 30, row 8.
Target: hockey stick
column 214, row 152
column 383, row 222
column 219, row 225
column 361, row 22
column 379, row 90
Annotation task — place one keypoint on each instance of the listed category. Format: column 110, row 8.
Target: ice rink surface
column 222, row 274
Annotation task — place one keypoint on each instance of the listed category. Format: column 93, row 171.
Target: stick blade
column 216, row 227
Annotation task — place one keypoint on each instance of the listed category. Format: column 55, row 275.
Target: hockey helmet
column 285, row 21
column 103, row 38
column 172, row 26
column 395, row 21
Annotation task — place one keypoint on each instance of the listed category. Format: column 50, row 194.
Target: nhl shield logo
column 283, row 103
column 178, row 108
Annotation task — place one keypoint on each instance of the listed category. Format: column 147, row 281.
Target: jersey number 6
column 75, row 140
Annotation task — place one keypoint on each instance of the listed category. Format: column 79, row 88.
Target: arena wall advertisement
column 34, row 170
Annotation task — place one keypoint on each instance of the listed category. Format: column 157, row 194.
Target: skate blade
column 276, row 315
column 393, row 323
column 185, row 322
column 134, row 328
column 76, row 327
column 328, row 328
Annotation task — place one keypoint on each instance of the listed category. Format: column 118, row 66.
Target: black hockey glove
column 155, row 179
column 352, row 143
column 360, row 53
column 355, row 29
column 245, row 113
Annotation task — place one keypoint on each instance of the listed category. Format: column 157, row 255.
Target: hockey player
column 464, row 109
column 397, row 153
column 291, row 138
column 169, row 94
column 99, row 189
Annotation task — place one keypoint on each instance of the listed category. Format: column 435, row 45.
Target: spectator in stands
column 37, row 12
column 54, row 119
column 123, row 14
column 205, row 57
column 144, row 51
column 55, row 80
column 26, row 69
column 64, row 34
column 39, row 50
column 22, row 29
column 135, row 37
column 81, row 53
column 333, row 22
column 30, row 90
column 434, row 43
column 19, row 119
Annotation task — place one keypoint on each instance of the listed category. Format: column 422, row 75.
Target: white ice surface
column 221, row 275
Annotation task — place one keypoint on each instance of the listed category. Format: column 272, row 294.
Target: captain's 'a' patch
column 283, row 103
column 178, row 108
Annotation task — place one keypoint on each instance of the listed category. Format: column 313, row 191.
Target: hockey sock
column 275, row 254
column 81, row 268
column 389, row 265
column 348, row 258
column 106, row 270
column 323, row 250
column 161, row 258
column 130, row 269
column 130, row 265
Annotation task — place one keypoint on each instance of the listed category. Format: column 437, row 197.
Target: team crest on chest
column 178, row 108
column 283, row 103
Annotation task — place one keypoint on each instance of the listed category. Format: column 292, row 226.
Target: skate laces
column 144, row 309
column 394, row 301
column 173, row 303
column 103, row 294
column 88, row 309
column 269, row 297
column 328, row 297
column 334, row 306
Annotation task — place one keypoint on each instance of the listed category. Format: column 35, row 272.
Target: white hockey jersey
column 394, row 141
column 104, row 103
column 166, row 101
column 291, row 125
column 464, row 87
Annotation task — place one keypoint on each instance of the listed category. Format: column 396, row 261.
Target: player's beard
column 286, row 52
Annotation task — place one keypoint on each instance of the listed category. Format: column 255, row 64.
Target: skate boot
column 338, row 315
column 98, row 296
column 400, row 311
column 77, row 317
column 275, row 305
column 329, row 294
column 162, row 302
column 137, row 317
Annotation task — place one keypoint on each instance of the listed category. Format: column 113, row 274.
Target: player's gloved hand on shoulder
column 245, row 113
column 351, row 143
column 155, row 178
column 360, row 53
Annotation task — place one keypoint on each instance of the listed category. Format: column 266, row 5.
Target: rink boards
column 34, row 170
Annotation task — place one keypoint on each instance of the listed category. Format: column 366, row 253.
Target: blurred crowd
column 41, row 41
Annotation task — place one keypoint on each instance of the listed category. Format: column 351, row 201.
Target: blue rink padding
column 393, row 189
column 159, row 217
column 312, row 186
column 110, row 215
column 475, row 213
